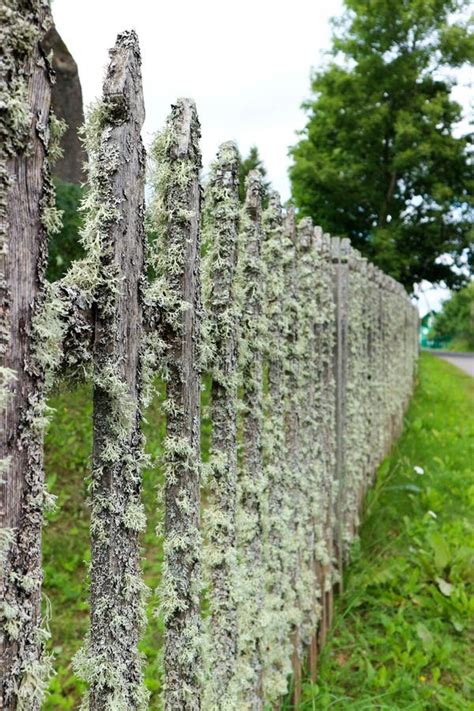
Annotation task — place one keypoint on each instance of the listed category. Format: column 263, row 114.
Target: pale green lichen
column 279, row 591
column 109, row 660
column 175, row 297
column 49, row 328
column 220, row 337
column 250, row 587
column 57, row 128
column 23, row 131
column 34, row 683
column 7, row 378
column 7, row 536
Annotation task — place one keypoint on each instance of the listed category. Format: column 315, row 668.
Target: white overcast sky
column 246, row 64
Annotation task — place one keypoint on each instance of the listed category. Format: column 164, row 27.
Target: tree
column 379, row 160
column 252, row 162
column 456, row 319
column 64, row 245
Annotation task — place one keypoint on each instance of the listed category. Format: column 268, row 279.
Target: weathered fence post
column 371, row 304
column 292, row 412
column 340, row 249
column 175, row 213
column 354, row 434
column 26, row 216
column 325, row 334
column 251, row 480
column 308, row 438
column 277, row 524
column 378, row 381
column 221, row 222
column 110, row 661
column 365, row 382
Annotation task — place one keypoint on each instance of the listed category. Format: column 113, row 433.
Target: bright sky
column 246, row 64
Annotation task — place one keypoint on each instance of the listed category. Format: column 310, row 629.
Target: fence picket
column 277, row 521
column 110, row 661
column 176, row 218
column 27, row 214
column 251, row 486
column 221, row 223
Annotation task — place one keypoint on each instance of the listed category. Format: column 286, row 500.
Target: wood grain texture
column 110, row 661
column 176, row 209
column 26, row 190
column 251, row 478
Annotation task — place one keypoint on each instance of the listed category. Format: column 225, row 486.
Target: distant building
column 427, row 340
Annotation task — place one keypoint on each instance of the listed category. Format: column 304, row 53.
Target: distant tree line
column 455, row 321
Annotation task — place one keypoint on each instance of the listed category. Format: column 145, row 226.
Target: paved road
column 465, row 361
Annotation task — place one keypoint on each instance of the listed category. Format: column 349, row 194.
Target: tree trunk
column 25, row 215
column 110, row 661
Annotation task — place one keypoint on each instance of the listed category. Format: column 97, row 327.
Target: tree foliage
column 252, row 162
column 380, row 160
column 456, row 319
column 64, row 246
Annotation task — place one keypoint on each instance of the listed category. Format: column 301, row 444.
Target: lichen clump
column 174, row 216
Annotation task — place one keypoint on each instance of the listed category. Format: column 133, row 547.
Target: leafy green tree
column 252, row 162
column 380, row 160
column 456, row 319
column 64, row 247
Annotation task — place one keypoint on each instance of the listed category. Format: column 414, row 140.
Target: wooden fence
column 310, row 354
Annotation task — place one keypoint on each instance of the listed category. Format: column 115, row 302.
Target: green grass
column 66, row 552
column 66, row 540
column 403, row 635
column 399, row 641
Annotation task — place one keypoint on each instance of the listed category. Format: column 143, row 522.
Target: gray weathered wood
column 25, row 215
column 251, row 481
column 110, row 661
column 308, row 432
column 292, row 412
column 339, row 252
column 221, row 224
column 277, row 524
column 176, row 213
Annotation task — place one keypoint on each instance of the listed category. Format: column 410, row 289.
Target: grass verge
column 402, row 636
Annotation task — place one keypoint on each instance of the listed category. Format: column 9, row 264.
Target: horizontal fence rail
column 309, row 352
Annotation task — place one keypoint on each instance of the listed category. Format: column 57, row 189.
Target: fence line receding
column 309, row 352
